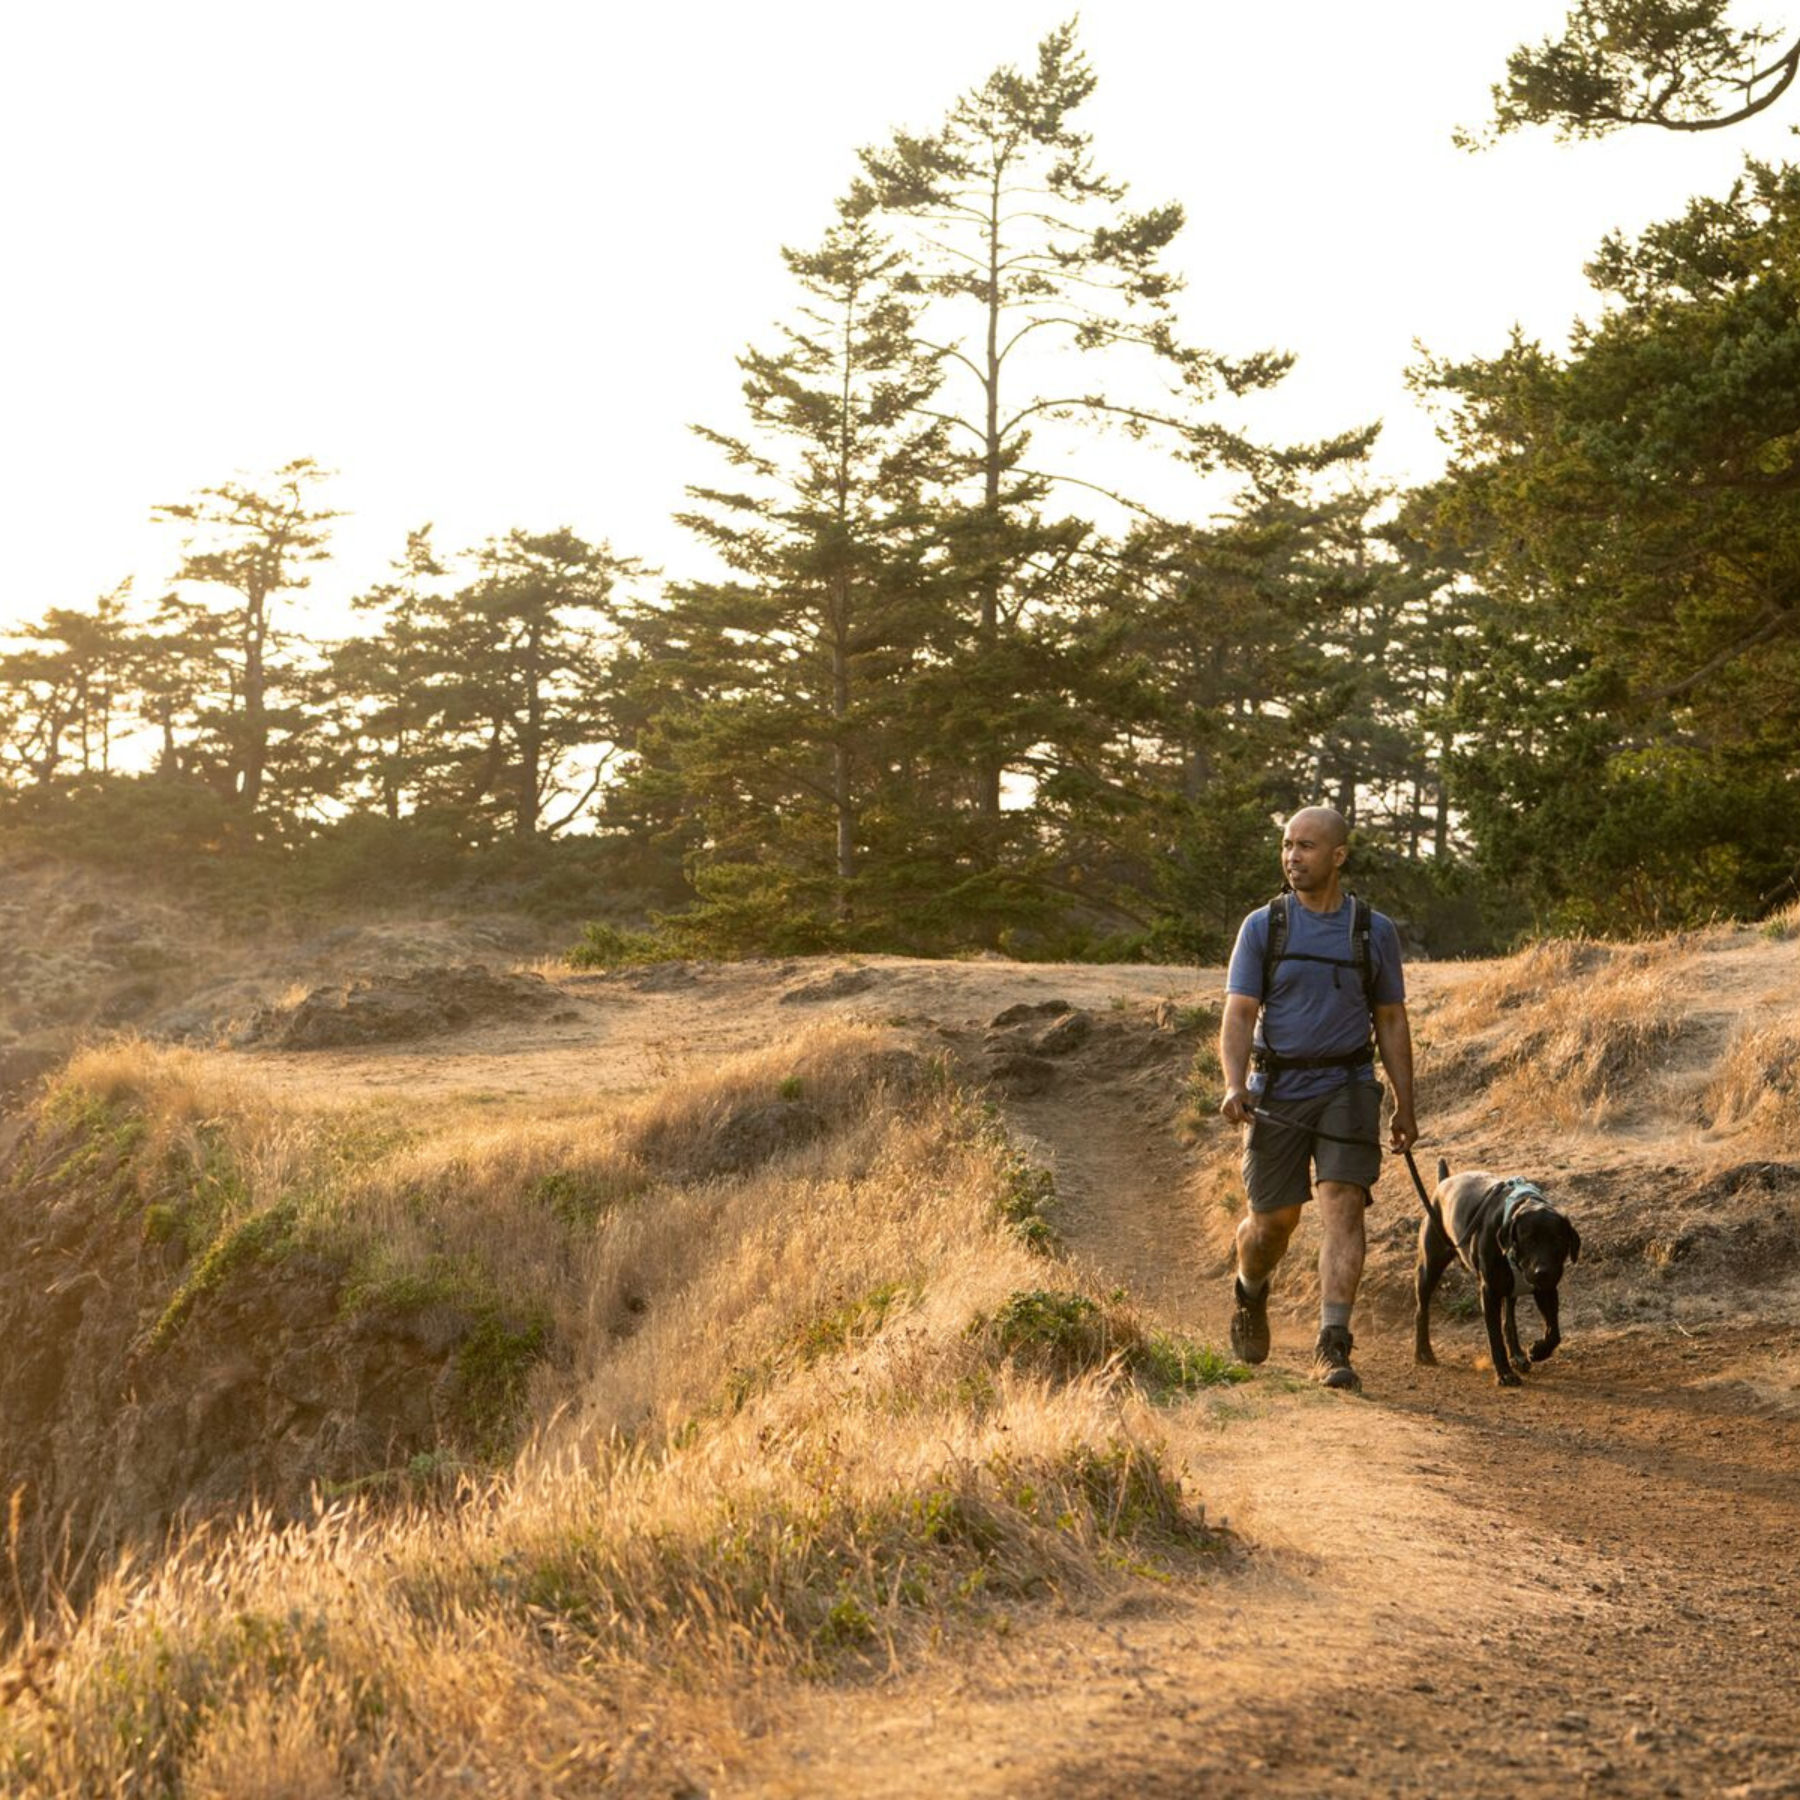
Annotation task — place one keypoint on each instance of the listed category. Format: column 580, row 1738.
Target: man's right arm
column 1237, row 1030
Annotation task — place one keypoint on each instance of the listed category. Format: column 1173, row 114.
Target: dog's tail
column 1443, row 1170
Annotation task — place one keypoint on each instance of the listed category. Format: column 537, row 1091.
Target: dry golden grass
column 1756, row 1086
column 1783, row 925
column 1564, row 1031
column 770, row 1442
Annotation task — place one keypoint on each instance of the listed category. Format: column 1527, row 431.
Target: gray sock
column 1251, row 1290
column 1330, row 1314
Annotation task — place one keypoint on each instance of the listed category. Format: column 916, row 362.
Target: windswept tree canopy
column 1682, row 65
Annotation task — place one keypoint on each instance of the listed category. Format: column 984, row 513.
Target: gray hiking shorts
column 1281, row 1164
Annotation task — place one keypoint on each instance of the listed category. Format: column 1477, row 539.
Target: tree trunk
column 531, row 737
column 255, row 749
column 990, row 763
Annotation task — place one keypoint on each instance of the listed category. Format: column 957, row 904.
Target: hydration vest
column 1265, row 1057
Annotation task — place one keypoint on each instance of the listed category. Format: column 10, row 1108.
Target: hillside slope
column 751, row 1246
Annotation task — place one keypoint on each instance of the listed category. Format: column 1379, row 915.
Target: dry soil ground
column 1587, row 1584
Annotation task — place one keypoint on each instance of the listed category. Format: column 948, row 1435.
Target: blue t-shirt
column 1314, row 1008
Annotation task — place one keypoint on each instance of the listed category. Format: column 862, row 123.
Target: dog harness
column 1511, row 1193
column 1518, row 1191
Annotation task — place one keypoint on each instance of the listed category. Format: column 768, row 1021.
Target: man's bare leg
column 1342, row 1245
column 1262, row 1238
column 1262, row 1241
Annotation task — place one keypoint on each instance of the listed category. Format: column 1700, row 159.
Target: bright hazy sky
column 489, row 262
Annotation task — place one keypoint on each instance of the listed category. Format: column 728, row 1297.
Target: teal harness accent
column 1518, row 1189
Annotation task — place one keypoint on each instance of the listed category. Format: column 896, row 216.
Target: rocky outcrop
column 421, row 1003
column 150, row 1379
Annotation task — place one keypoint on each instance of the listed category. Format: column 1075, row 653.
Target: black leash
column 1332, row 1137
column 1412, row 1168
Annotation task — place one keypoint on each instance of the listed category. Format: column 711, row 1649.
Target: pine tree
column 253, row 544
column 1632, row 513
column 519, row 684
column 69, row 687
column 783, row 708
column 1052, row 307
column 1680, row 65
column 382, row 683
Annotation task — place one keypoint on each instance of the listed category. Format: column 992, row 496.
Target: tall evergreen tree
column 1052, row 306
column 1249, row 634
column 69, row 684
column 794, row 734
column 255, row 545
column 383, row 684
column 520, row 686
column 1633, row 512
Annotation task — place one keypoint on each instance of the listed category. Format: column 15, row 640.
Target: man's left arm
column 1394, row 1037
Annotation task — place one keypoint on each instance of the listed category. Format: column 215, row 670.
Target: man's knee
column 1268, row 1232
column 1341, row 1206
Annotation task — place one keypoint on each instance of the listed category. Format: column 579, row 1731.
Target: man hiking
column 1311, row 972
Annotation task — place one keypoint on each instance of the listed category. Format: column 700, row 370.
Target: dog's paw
column 1508, row 1379
column 1425, row 1357
column 1542, row 1350
column 1519, row 1365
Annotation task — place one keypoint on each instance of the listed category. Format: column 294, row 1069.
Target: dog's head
column 1539, row 1241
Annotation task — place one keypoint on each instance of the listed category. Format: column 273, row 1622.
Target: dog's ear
column 1508, row 1234
column 1574, row 1242
column 1443, row 1170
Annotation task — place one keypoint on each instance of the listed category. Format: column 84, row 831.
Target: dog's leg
column 1492, row 1305
column 1436, row 1252
column 1510, row 1331
column 1547, row 1305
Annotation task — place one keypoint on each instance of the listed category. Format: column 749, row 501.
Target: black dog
column 1506, row 1234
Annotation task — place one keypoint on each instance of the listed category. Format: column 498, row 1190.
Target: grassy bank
column 805, row 1394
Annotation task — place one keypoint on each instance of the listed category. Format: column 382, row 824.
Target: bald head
column 1314, row 844
column 1323, row 822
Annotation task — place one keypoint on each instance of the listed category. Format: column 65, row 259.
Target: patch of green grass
column 262, row 1237
column 1027, row 1193
column 579, row 1198
column 1170, row 1365
column 91, row 1138
column 1067, row 1331
column 374, row 1286
column 1072, row 1334
column 493, row 1363
column 824, row 1579
column 837, row 1329
column 848, row 1324
column 1205, row 1086
column 790, row 1087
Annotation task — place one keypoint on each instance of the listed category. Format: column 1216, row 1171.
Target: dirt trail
column 1590, row 1584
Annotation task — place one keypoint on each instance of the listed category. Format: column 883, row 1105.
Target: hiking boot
column 1331, row 1360
column 1249, row 1323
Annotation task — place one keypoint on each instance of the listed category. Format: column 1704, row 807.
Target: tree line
column 950, row 679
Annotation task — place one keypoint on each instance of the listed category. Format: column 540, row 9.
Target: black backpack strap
column 1276, row 942
column 1363, row 948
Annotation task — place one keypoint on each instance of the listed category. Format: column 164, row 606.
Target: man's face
column 1309, row 854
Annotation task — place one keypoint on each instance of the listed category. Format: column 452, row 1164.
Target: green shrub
column 603, row 946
